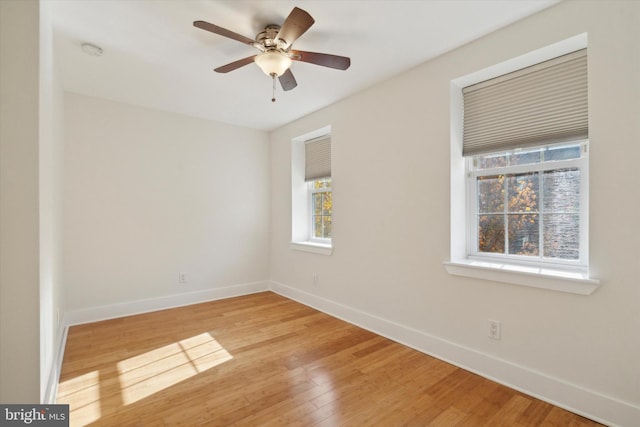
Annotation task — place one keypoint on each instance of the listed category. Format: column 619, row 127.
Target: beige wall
column 19, row 252
column 390, row 165
column 149, row 194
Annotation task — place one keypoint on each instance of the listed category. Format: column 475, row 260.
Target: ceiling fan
column 274, row 43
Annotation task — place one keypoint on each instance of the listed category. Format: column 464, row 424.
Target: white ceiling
column 154, row 57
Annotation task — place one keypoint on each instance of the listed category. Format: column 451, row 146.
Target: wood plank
column 263, row 359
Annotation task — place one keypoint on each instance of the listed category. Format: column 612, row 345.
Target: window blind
column 538, row 105
column 317, row 159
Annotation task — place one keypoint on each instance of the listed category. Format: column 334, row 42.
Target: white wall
column 19, row 253
column 50, row 186
column 390, row 166
column 149, row 194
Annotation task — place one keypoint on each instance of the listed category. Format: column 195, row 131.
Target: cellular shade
column 538, row 105
column 317, row 159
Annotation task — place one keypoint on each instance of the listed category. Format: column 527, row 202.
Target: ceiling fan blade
column 235, row 65
column 223, row 32
column 294, row 26
column 287, row 81
column 324, row 59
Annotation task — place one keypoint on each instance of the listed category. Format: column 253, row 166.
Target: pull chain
column 273, row 76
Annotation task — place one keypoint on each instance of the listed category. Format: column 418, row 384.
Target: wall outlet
column 494, row 329
column 315, row 280
column 182, row 277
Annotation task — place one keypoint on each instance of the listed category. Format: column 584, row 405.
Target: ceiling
column 154, row 57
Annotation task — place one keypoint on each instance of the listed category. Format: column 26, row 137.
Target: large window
column 519, row 171
column 529, row 205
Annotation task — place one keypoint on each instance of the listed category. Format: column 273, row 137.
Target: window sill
column 544, row 278
column 313, row 247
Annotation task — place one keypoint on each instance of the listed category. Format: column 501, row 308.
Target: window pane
column 524, row 157
column 561, row 191
column 327, row 226
column 562, row 153
column 327, row 203
column 491, row 161
column 524, row 234
column 491, row 233
column 490, row 194
column 561, row 236
column 322, row 183
column 523, row 192
column 322, row 227
column 317, row 204
column 317, row 227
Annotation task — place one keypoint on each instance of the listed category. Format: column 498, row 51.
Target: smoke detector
column 91, row 49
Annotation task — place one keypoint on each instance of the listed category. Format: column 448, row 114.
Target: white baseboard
column 588, row 403
column 112, row 311
column 54, row 378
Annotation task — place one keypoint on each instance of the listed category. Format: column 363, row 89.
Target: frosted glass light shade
column 273, row 63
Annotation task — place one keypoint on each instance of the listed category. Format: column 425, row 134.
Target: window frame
column 582, row 163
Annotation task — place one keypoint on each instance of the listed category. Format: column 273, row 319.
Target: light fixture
column 273, row 62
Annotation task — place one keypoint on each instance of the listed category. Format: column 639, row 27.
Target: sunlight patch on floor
column 148, row 373
column 82, row 393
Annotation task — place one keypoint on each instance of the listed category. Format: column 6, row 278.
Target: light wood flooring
column 264, row 360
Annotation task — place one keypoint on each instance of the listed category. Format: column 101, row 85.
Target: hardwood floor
column 265, row 360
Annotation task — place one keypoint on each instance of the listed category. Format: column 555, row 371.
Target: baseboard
column 112, row 311
column 51, row 393
column 588, row 403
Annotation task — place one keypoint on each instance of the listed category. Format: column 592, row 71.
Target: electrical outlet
column 315, row 280
column 494, row 329
column 182, row 277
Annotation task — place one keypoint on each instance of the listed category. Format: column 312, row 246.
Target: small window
column 311, row 192
column 321, row 210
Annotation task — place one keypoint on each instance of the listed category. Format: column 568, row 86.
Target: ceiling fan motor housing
column 267, row 38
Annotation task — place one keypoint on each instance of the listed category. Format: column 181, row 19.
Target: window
column 312, row 196
column 321, row 209
column 528, row 205
column 519, row 171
